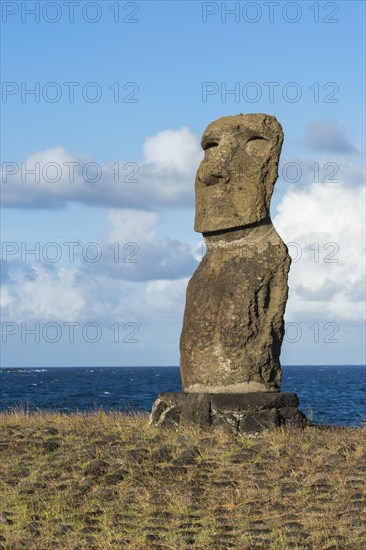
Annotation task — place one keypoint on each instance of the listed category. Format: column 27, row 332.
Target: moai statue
column 233, row 323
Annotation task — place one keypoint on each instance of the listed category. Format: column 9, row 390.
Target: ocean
column 328, row 394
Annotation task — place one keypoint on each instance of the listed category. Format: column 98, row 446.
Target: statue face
column 235, row 180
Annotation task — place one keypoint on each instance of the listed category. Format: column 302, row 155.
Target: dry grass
column 110, row 481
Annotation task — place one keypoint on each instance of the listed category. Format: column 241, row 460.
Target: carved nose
column 213, row 179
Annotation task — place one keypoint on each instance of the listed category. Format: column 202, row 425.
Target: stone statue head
column 235, row 180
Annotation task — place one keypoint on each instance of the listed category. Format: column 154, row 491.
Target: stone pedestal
column 239, row 413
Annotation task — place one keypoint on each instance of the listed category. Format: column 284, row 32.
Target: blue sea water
column 329, row 394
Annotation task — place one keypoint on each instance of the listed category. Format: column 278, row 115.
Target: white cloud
column 295, row 171
column 164, row 177
column 71, row 295
column 136, row 253
column 175, row 150
column 325, row 225
column 126, row 225
column 5, row 297
column 166, row 299
column 330, row 213
column 150, row 286
column 48, row 295
column 323, row 222
column 68, row 295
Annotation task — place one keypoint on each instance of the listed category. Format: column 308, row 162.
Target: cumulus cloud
column 134, row 252
column 55, row 177
column 11, row 269
column 66, row 295
column 173, row 150
column 47, row 295
column 166, row 299
column 328, row 136
column 137, row 276
column 304, row 171
column 321, row 218
column 323, row 225
column 72, row 295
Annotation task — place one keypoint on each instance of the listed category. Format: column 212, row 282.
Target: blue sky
column 172, row 67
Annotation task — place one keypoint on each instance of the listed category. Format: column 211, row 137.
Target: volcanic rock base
column 236, row 412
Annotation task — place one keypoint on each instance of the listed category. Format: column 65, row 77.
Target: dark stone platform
column 236, row 412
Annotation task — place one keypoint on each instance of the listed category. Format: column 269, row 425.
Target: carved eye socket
column 257, row 146
column 209, row 145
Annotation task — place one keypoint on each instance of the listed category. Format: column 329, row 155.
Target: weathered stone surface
column 229, row 422
column 233, row 321
column 291, row 416
column 196, row 409
column 235, row 180
column 236, row 413
column 259, row 421
column 167, row 409
column 250, row 402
